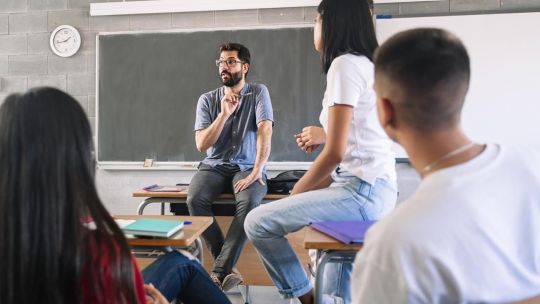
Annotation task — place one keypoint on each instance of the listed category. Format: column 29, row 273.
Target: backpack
column 284, row 182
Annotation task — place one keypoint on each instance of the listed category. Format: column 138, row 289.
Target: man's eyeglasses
column 228, row 62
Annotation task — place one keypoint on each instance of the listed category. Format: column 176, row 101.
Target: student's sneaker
column 330, row 299
column 232, row 280
column 216, row 280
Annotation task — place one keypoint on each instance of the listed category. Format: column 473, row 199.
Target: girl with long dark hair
column 48, row 251
column 354, row 176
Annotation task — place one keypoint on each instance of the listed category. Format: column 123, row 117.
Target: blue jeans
column 347, row 198
column 178, row 277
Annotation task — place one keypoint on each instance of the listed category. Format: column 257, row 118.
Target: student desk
column 222, row 207
column 189, row 236
column 329, row 250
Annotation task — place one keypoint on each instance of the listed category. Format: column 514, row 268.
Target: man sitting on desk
column 470, row 232
column 234, row 126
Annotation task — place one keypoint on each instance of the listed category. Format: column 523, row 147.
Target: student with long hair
column 354, row 176
column 58, row 244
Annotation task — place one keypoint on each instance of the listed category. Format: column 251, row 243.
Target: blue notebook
column 153, row 227
column 349, row 232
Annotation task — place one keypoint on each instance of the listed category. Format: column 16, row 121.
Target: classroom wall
column 26, row 60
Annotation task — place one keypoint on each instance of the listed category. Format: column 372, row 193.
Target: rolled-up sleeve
column 264, row 109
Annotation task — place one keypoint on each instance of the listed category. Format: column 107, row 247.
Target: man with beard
column 234, row 126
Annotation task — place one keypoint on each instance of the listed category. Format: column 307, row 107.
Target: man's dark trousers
column 207, row 184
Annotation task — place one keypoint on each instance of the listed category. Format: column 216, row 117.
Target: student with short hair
column 354, row 176
column 470, row 232
column 58, row 243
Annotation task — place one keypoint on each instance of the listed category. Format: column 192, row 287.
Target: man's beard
column 232, row 80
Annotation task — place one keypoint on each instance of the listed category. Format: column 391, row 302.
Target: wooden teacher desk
column 223, row 206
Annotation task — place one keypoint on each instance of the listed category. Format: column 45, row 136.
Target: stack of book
column 151, row 227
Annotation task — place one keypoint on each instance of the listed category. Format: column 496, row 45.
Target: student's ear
column 387, row 116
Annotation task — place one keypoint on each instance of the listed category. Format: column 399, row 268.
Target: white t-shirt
column 368, row 154
column 469, row 234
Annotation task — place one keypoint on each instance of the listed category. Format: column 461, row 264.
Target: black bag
column 284, row 182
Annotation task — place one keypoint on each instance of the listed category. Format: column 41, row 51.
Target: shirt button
column 234, row 147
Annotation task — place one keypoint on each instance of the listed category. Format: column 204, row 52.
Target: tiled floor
column 259, row 295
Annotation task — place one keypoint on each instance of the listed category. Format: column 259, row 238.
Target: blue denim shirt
column 237, row 143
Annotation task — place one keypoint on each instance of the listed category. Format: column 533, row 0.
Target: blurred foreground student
column 354, row 177
column 49, row 253
column 471, row 231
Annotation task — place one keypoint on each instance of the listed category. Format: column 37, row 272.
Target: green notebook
column 153, row 227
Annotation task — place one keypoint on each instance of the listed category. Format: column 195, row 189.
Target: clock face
column 65, row 41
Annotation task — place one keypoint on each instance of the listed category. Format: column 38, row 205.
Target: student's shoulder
column 520, row 153
column 347, row 60
column 521, row 160
column 358, row 65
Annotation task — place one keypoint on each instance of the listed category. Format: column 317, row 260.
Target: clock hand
column 63, row 40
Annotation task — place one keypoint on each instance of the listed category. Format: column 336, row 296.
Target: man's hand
column 229, row 103
column 310, row 138
column 242, row 184
column 154, row 296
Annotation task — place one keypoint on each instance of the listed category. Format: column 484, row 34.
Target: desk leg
column 199, row 248
column 152, row 200
column 331, row 256
column 143, row 205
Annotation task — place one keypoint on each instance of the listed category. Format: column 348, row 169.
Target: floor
column 259, row 295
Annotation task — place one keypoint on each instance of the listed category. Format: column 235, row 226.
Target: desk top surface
column 315, row 239
column 185, row 237
column 183, row 194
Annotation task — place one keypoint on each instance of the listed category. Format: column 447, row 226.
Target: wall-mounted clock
column 65, row 40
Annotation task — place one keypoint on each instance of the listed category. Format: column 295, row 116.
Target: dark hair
column 430, row 70
column 347, row 27
column 243, row 52
column 47, row 190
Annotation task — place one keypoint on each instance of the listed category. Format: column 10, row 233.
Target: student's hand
column 310, row 138
column 247, row 181
column 310, row 149
column 154, row 296
column 229, row 103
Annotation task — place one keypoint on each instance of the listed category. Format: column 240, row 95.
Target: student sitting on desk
column 234, row 126
column 48, row 253
column 354, row 177
column 470, row 232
